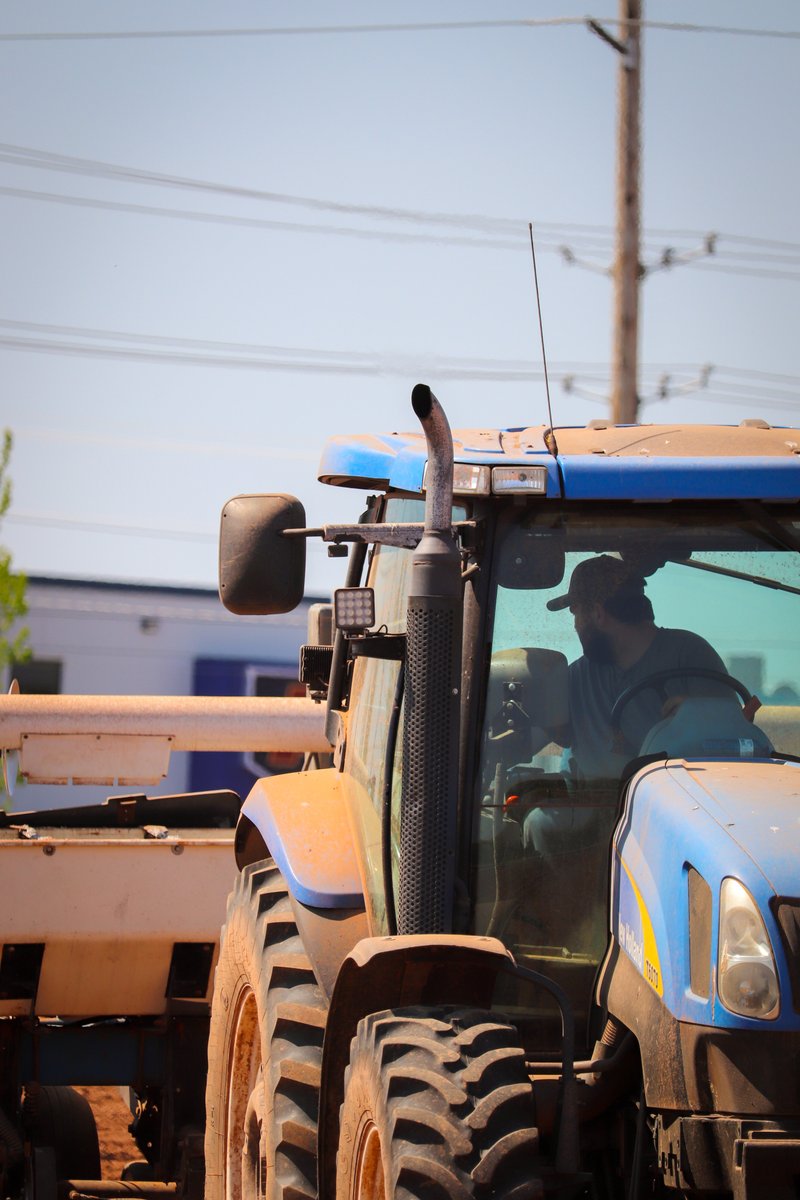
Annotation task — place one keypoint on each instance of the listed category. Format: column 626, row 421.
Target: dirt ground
column 113, row 1117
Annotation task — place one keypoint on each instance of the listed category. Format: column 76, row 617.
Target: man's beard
column 597, row 646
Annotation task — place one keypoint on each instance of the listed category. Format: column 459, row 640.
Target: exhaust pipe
column 429, row 794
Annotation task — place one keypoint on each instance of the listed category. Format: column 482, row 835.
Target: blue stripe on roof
column 595, row 477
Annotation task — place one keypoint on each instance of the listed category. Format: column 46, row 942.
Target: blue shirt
column 594, row 687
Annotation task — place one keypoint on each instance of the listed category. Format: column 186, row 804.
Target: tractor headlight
column 747, row 981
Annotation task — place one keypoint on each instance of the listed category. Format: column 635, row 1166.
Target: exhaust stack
column 432, row 696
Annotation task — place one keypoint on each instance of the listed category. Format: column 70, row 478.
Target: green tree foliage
column 13, row 642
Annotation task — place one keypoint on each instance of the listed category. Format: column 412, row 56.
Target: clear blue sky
column 165, row 345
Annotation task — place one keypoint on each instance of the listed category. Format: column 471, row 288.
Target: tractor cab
column 711, row 593
column 551, row 736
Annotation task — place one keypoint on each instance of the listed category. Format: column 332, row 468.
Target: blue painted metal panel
column 398, row 460
column 103, row 1054
column 597, row 477
column 758, row 804
column 366, row 457
column 408, row 469
column 699, row 815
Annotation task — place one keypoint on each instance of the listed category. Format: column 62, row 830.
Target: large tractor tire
column 62, row 1139
column 265, row 1050
column 438, row 1105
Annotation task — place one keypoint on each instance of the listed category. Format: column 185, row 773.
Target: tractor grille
column 787, row 914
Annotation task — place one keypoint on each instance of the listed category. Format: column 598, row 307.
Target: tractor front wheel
column 265, row 1050
column 437, row 1104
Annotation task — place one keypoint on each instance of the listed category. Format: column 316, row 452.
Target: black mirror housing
column 261, row 572
column 532, row 557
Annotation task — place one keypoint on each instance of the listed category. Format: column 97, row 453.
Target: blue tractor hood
column 757, row 806
column 720, row 818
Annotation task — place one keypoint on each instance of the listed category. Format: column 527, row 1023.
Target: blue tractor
column 533, row 927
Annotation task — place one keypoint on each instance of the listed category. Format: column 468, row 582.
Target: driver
column 622, row 645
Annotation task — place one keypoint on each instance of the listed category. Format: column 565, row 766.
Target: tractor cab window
column 615, row 638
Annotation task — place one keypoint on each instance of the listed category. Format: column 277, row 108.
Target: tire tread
column 454, row 1103
column 260, row 938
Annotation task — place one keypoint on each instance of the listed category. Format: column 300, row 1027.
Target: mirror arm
column 399, row 533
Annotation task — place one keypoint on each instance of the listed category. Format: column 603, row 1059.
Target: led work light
column 354, row 609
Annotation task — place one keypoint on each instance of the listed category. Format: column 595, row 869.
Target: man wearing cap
column 622, row 645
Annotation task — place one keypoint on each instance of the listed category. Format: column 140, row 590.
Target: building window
column 38, row 676
column 273, row 681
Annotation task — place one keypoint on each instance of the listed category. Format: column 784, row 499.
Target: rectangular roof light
column 470, row 479
column 518, row 480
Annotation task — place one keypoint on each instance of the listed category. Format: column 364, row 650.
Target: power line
column 706, row 256
column 157, row 445
column 151, row 339
column 711, row 385
column 549, row 234
column 188, row 353
column 687, row 27
column 711, row 397
column 122, row 529
column 756, row 272
column 58, row 522
column 289, row 30
column 131, row 354
column 754, row 241
column 397, row 27
column 404, row 367
column 765, row 392
column 770, row 375
column 28, row 156
column 384, row 235
column 203, row 351
column 550, row 237
column 602, row 235
column 194, row 351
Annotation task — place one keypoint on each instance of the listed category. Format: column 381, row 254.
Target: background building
column 95, row 638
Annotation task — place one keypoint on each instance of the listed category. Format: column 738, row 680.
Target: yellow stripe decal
column 646, row 955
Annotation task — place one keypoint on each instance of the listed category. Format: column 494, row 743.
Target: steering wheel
column 659, row 678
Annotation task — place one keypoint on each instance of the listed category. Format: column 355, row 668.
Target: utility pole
column 628, row 270
column 627, row 265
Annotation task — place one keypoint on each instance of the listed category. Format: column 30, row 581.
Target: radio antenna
column 550, row 434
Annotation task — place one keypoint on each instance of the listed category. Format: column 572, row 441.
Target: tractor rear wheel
column 265, row 1050
column 437, row 1104
column 62, row 1135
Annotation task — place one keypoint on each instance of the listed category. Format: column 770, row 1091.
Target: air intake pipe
column 429, row 794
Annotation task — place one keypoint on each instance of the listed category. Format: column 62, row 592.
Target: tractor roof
column 597, row 461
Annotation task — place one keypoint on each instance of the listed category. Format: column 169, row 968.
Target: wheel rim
column 254, row 1152
column 368, row 1183
column 243, row 1123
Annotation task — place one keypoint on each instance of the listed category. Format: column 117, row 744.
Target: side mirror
column 261, row 572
